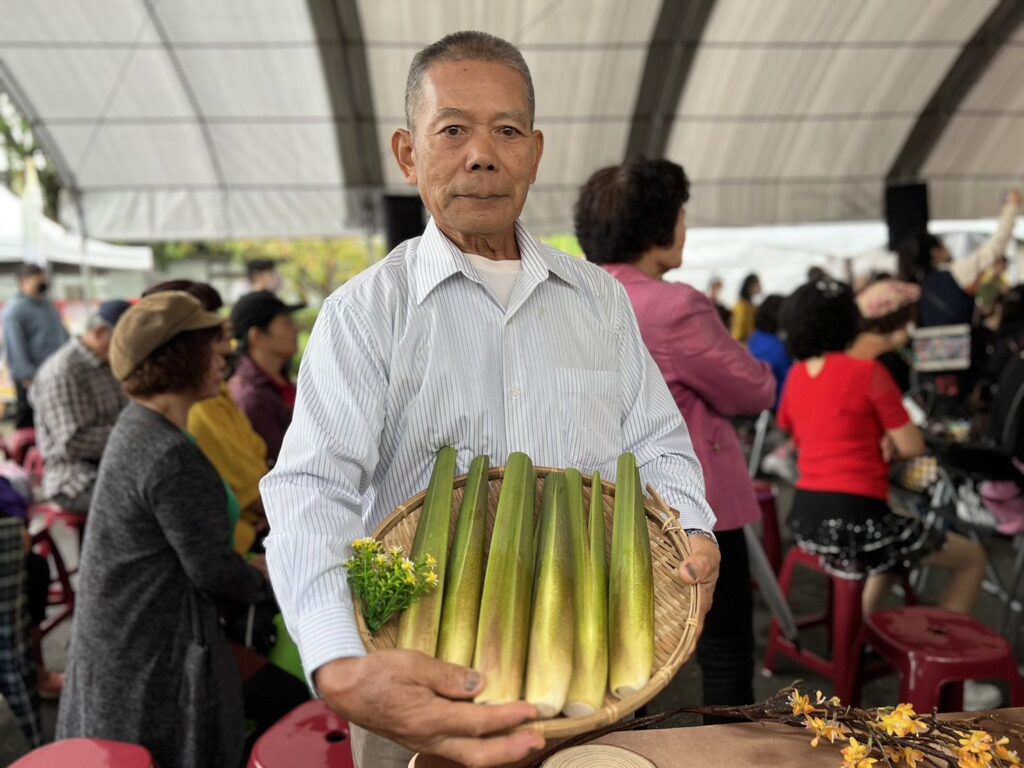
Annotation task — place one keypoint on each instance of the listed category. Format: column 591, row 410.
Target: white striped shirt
column 415, row 354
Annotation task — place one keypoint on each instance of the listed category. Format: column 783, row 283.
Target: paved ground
column 684, row 691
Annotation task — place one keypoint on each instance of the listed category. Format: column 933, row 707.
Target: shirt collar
column 438, row 258
column 86, row 355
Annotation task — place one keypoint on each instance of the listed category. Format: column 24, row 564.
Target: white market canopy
column 52, row 244
column 205, row 119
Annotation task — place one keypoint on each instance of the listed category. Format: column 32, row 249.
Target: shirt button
column 515, row 392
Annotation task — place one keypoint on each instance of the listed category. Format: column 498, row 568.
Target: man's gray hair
column 95, row 322
column 463, row 46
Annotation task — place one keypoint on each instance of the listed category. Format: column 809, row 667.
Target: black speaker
column 906, row 211
column 404, row 217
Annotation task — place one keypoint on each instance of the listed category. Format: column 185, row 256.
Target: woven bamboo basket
column 676, row 605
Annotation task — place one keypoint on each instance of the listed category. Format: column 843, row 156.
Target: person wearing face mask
column 925, row 260
column 33, row 331
column 744, row 311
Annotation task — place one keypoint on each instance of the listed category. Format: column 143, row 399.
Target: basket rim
column 563, row 727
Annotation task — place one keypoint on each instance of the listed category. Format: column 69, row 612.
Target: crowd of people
column 157, row 423
column 182, row 436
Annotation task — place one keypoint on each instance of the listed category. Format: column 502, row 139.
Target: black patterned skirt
column 857, row 536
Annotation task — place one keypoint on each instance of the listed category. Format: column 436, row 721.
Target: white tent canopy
column 250, row 118
column 55, row 245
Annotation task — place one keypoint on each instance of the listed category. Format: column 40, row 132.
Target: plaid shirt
column 77, row 401
column 17, row 670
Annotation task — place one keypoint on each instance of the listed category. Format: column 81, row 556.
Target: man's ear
column 402, row 149
column 538, row 141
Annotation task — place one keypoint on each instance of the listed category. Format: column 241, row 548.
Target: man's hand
column 426, row 706
column 890, row 452
column 1014, row 197
column 701, row 568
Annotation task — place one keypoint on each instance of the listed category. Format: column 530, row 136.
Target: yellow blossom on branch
column 977, row 742
column 801, row 704
column 1008, row 756
column 856, row 755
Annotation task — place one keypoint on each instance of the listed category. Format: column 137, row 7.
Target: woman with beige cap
column 149, row 662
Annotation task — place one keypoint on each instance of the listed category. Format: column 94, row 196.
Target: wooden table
column 744, row 745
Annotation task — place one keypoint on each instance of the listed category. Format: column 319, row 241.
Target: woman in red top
column 847, row 420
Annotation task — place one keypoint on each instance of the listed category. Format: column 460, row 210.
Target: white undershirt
column 498, row 277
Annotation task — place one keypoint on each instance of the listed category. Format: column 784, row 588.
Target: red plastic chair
column 771, row 538
column 936, row 650
column 61, row 592
column 311, row 734
column 87, row 753
column 843, row 616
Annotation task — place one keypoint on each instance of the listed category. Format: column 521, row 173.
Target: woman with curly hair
column 846, row 416
column 631, row 220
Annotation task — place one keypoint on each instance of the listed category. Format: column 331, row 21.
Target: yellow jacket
column 227, row 438
column 743, row 320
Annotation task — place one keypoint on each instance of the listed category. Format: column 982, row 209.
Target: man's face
column 472, row 152
column 34, row 285
column 101, row 337
column 267, row 280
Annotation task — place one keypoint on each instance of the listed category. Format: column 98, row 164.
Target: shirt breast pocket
column 590, row 411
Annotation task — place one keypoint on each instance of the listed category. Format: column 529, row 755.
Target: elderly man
column 77, row 401
column 477, row 336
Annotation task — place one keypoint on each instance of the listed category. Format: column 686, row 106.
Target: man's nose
column 481, row 155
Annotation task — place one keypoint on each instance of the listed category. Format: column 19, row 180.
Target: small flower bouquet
column 887, row 736
column 387, row 583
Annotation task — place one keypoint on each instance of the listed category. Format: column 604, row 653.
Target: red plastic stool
column 61, row 592
column 766, row 496
column 936, row 650
column 311, row 734
column 842, row 616
column 87, row 753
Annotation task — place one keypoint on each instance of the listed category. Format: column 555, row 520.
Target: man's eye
column 508, row 131
column 452, row 130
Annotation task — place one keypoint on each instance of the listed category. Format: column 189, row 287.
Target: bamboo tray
column 676, row 605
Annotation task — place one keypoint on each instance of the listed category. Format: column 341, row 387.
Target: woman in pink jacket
column 631, row 220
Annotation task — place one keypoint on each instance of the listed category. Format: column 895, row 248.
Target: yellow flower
column 967, row 759
column 977, row 742
column 430, row 561
column 380, row 559
column 911, row 756
column 824, row 729
column 801, row 704
column 407, row 565
column 856, row 755
column 396, row 552
column 1006, row 755
column 410, row 580
column 819, row 699
column 431, row 579
column 900, row 722
column 365, row 544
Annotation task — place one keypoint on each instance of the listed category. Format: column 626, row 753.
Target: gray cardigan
column 155, row 560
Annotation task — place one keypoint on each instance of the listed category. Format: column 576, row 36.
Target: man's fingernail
column 691, row 570
column 472, row 680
